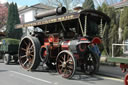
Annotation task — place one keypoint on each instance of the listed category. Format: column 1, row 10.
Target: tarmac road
column 15, row 75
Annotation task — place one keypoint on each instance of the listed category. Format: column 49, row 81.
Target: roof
column 22, row 8
column 36, row 6
column 120, row 4
column 64, row 17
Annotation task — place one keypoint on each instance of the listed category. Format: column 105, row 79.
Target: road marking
column 31, row 77
column 110, row 78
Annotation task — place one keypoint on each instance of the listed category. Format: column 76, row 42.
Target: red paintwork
column 65, row 45
column 123, row 67
column 96, row 40
column 45, row 53
column 82, row 50
column 77, row 56
column 83, row 39
column 51, row 38
column 45, row 39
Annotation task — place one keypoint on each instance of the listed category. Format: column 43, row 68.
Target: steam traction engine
column 66, row 41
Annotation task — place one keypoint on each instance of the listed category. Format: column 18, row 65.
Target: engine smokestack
column 57, row 11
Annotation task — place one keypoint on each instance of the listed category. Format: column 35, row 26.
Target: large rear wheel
column 66, row 64
column 29, row 53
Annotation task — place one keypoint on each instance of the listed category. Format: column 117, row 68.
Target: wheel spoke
column 31, row 49
column 68, row 57
column 29, row 64
column 29, row 45
column 61, row 61
column 23, row 49
column 70, row 67
column 59, row 66
column 61, row 69
column 25, row 43
column 31, row 55
column 64, row 71
column 69, row 60
column 23, row 56
column 26, row 62
column 30, row 60
column 64, row 57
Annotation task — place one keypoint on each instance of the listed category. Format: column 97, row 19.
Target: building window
column 22, row 18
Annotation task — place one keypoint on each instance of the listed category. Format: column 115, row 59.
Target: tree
column 124, row 23
column 13, row 19
column 109, row 2
column 111, row 30
column 88, row 4
column 3, row 15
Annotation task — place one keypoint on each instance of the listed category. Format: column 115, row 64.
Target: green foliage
column 111, row 30
column 125, row 33
column 124, row 23
column 10, row 41
column 13, row 19
column 88, row 4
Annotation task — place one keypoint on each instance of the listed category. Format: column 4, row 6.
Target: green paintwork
column 118, row 59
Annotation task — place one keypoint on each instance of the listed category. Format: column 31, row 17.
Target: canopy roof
column 64, row 17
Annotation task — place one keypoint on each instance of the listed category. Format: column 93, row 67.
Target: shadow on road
column 80, row 76
column 83, row 77
column 12, row 63
column 3, row 70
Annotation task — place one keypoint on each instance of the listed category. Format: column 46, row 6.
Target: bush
column 10, row 41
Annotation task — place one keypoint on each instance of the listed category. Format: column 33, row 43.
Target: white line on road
column 31, row 77
column 110, row 78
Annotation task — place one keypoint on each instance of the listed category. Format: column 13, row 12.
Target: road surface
column 16, row 75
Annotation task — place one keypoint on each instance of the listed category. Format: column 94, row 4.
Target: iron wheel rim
column 66, row 65
column 26, row 53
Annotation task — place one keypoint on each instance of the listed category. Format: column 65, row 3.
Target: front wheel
column 66, row 64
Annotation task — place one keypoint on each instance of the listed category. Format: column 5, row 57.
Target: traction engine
column 67, row 41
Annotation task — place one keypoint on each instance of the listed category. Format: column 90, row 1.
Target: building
column 27, row 14
column 121, row 4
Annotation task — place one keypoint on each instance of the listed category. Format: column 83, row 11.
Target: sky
column 32, row 2
column 22, row 2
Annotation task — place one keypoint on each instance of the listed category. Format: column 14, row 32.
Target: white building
column 27, row 14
